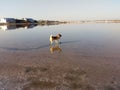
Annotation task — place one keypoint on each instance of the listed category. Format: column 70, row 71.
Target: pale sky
column 61, row 9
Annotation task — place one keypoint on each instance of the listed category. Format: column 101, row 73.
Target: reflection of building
column 8, row 27
column 30, row 26
column 55, row 48
column 14, row 27
column 7, row 20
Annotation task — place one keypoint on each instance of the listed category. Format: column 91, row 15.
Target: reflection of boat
column 17, row 26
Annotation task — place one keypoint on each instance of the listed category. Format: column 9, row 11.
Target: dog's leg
column 57, row 41
column 51, row 49
column 60, row 41
column 51, row 42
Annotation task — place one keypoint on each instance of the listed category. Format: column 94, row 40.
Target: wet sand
column 70, row 69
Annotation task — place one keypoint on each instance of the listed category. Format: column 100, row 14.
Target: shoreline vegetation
column 95, row 21
column 51, row 22
column 28, row 21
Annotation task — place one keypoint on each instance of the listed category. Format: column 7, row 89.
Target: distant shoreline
column 48, row 22
column 95, row 21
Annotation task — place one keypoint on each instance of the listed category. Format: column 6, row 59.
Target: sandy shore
column 65, row 70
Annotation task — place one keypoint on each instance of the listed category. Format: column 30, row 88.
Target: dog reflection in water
column 55, row 48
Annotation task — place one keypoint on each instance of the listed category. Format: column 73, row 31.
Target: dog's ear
column 60, row 35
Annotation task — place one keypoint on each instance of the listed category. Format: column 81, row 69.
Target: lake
column 92, row 39
column 93, row 47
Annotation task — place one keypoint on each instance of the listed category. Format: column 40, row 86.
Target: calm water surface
column 90, row 39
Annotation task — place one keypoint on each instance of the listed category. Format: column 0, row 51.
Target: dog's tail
column 50, row 39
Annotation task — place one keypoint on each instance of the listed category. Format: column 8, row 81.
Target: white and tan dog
column 55, row 38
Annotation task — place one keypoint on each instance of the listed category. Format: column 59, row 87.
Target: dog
column 55, row 38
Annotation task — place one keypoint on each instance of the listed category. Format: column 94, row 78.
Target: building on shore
column 17, row 21
column 7, row 20
column 29, row 20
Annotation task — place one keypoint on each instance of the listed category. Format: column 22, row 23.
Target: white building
column 7, row 20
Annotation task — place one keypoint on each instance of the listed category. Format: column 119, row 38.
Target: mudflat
column 69, row 69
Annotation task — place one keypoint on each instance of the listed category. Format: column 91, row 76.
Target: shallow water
column 100, row 39
column 89, row 51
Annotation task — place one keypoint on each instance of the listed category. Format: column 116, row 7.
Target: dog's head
column 59, row 35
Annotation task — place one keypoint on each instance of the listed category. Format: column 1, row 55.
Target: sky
column 61, row 9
